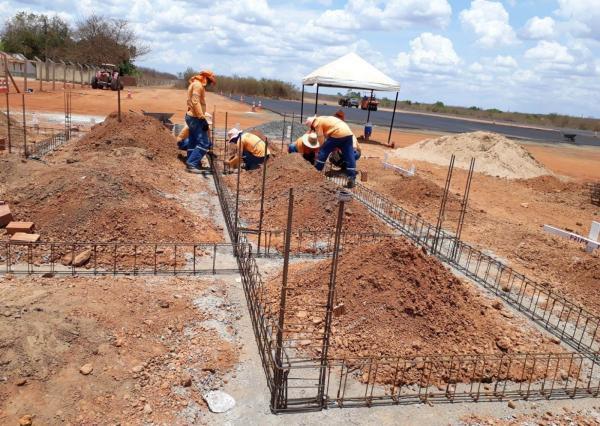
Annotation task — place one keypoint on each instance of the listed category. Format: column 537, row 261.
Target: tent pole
column 369, row 107
column 393, row 116
column 317, row 99
column 302, row 106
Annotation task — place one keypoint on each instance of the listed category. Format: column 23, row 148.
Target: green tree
column 36, row 35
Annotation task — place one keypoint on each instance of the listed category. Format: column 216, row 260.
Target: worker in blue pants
column 336, row 134
column 196, row 121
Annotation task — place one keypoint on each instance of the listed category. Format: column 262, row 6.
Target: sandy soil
column 153, row 99
column 149, row 344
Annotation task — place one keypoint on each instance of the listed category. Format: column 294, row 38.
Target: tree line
column 94, row 40
column 248, row 86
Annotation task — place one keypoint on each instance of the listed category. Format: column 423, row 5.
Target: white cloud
column 429, row 53
column 550, row 52
column 584, row 16
column 505, row 62
column 539, row 28
column 489, row 20
column 387, row 15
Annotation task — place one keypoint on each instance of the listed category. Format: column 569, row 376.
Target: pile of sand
column 494, row 155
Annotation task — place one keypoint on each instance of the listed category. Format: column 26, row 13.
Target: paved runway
column 430, row 122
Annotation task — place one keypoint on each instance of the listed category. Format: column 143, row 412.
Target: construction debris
column 23, row 227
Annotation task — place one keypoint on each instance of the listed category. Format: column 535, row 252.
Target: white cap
column 233, row 133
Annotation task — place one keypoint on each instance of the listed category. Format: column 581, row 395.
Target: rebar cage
column 301, row 378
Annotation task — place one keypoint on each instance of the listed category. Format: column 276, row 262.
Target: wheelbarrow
column 163, row 117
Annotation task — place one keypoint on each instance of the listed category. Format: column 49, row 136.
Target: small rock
column 186, row 380
column 555, row 340
column 163, row 304
column 507, row 314
column 219, row 401
column 147, row 409
column 525, row 205
column 82, row 258
column 302, row 314
column 72, row 160
column 26, row 420
column 511, row 404
column 48, row 275
column 137, row 369
column 67, row 259
column 503, row 343
column 21, row 382
column 86, row 369
column 497, row 305
column 505, row 288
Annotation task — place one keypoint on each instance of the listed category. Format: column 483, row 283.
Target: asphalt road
column 431, row 122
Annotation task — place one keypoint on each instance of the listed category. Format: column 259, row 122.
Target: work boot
column 350, row 184
column 192, row 169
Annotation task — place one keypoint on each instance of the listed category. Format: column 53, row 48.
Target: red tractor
column 107, row 77
column 369, row 102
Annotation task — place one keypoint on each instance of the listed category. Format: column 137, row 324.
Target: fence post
column 24, row 128
column 8, row 123
column 262, row 196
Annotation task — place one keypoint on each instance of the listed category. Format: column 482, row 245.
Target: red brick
column 5, row 215
column 21, row 237
column 25, row 227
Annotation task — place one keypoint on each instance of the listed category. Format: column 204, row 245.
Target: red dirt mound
column 315, row 205
column 401, row 302
column 134, row 131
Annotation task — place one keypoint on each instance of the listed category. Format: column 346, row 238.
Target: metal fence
column 595, row 193
column 301, row 377
column 565, row 319
column 114, row 258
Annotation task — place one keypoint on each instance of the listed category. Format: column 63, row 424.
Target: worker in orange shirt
column 337, row 159
column 307, row 145
column 334, row 133
column 253, row 149
column 195, row 119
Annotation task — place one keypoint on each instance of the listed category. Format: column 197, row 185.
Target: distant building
column 18, row 64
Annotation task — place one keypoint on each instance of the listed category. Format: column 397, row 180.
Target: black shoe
column 350, row 184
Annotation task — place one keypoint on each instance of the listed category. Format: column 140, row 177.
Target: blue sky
column 518, row 55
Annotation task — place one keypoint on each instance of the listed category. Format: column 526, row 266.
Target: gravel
column 273, row 129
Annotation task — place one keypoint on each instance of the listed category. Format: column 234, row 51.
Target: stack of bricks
column 22, row 232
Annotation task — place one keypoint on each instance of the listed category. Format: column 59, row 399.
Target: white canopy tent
column 352, row 72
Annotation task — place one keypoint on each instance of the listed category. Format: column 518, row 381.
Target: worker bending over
column 336, row 134
column 252, row 148
column 183, row 138
column 196, row 119
column 307, row 145
column 336, row 156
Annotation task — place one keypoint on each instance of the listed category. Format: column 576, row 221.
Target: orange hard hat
column 209, row 75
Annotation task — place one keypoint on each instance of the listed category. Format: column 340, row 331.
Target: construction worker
column 252, row 148
column 334, row 133
column 196, row 119
column 183, row 138
column 336, row 156
column 307, row 145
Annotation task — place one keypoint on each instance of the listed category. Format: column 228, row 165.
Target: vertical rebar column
column 393, row 117
column 292, row 128
column 237, row 192
column 262, row 195
column 24, row 128
column 302, row 105
column 119, row 97
column 8, row 122
column 225, row 141
column 440, row 220
column 283, row 132
column 343, row 197
column 280, row 324
column 463, row 207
